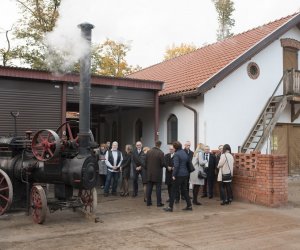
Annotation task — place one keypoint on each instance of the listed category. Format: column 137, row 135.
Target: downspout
column 156, row 116
column 195, row 119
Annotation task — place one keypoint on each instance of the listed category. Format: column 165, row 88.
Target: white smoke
column 65, row 44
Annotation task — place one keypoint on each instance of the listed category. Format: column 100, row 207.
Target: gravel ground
column 126, row 223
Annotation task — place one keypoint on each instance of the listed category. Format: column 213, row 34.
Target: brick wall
column 261, row 179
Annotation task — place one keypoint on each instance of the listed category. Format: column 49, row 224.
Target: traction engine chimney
column 85, row 92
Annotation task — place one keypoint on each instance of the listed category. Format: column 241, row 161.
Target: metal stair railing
column 263, row 117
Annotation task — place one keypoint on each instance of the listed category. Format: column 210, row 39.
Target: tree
column 7, row 53
column 109, row 59
column 38, row 18
column 175, row 51
column 224, row 9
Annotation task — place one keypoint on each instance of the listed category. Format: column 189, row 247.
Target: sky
column 151, row 26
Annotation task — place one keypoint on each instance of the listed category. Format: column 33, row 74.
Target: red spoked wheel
column 38, row 204
column 6, row 192
column 88, row 199
column 45, row 144
column 65, row 131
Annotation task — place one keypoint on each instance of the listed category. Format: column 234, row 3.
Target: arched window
column 138, row 130
column 172, row 129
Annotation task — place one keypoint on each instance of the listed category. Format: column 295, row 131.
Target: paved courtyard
column 126, row 223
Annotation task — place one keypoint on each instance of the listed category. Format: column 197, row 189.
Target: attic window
column 253, row 70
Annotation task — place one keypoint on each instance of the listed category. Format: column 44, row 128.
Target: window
column 172, row 129
column 138, row 130
column 253, row 70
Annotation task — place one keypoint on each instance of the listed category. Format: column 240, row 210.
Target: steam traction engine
column 52, row 157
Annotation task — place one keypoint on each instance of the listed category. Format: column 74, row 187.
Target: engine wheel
column 65, row 131
column 88, row 199
column 38, row 204
column 6, row 192
column 45, row 145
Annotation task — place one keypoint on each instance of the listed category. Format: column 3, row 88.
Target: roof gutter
column 178, row 96
column 195, row 119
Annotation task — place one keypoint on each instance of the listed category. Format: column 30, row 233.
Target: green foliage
column 108, row 59
column 224, row 9
column 38, row 18
column 175, row 51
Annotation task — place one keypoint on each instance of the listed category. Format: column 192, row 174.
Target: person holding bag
column 225, row 175
column 195, row 179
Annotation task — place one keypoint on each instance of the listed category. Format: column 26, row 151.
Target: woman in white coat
column 194, row 179
column 225, row 167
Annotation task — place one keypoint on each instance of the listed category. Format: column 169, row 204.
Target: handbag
column 190, row 167
column 226, row 177
column 202, row 175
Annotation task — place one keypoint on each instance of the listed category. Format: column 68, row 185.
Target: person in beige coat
column 194, row 179
column 225, row 166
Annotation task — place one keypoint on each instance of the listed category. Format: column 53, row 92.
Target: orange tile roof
column 186, row 73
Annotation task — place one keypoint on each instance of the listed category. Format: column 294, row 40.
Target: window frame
column 172, row 129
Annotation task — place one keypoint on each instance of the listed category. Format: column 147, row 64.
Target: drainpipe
column 156, row 116
column 195, row 119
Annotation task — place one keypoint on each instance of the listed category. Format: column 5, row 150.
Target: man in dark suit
column 190, row 153
column 209, row 168
column 154, row 164
column 169, row 170
column 137, row 169
column 180, row 176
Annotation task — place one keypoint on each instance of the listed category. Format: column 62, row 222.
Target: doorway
column 290, row 59
column 286, row 140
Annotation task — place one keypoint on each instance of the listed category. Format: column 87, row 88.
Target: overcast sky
column 152, row 25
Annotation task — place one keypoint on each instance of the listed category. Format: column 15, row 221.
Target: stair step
column 252, row 142
column 255, row 136
column 258, row 130
column 248, row 148
column 265, row 122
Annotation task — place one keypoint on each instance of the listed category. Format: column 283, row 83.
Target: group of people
column 183, row 168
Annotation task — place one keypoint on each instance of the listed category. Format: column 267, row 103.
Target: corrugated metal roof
column 25, row 73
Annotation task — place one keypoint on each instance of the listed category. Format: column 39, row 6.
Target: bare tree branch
column 5, row 54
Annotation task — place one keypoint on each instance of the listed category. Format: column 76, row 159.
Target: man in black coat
column 154, row 164
column 209, row 168
column 137, row 169
column 180, row 176
column 169, row 170
column 190, row 153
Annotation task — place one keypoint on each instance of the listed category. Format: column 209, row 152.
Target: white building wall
column 129, row 119
column 226, row 113
column 185, row 120
column 232, row 107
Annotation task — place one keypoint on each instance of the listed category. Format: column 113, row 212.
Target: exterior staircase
column 266, row 121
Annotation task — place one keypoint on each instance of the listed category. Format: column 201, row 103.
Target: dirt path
column 128, row 224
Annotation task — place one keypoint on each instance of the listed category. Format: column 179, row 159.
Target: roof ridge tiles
column 205, row 67
column 220, row 42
